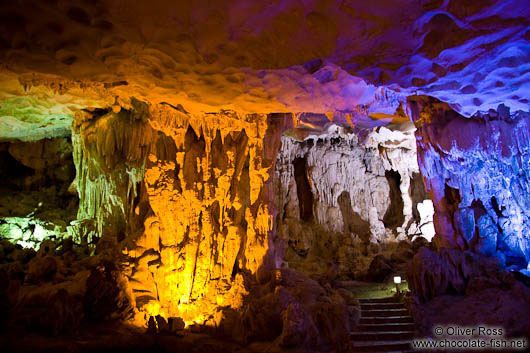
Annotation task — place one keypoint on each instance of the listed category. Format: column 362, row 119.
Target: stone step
column 382, row 346
column 382, row 335
column 379, row 300
column 380, row 306
column 401, row 319
column 384, row 312
column 399, row 326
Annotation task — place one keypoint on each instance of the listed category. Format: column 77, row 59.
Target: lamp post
column 397, row 281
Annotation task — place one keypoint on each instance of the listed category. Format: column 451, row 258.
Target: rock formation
column 339, row 187
column 224, row 166
column 351, row 178
column 269, row 57
column 185, row 193
column 187, row 202
column 476, row 172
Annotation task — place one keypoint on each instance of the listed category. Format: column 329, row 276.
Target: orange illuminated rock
column 188, row 192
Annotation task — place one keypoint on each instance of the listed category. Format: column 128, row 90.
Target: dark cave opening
column 35, row 190
column 417, row 194
column 12, row 172
column 394, row 216
column 452, row 196
column 353, row 222
column 29, row 166
column 495, row 204
column 303, row 189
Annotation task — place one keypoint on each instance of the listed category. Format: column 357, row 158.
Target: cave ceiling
column 258, row 56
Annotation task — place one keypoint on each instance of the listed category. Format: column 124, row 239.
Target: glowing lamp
column 397, row 282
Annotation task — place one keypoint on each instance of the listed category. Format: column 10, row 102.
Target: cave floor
column 29, row 217
column 369, row 290
column 117, row 337
column 113, row 337
column 44, row 204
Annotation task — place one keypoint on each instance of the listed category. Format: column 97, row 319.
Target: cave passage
column 353, row 222
column 36, row 199
column 394, row 216
column 303, row 189
column 12, row 172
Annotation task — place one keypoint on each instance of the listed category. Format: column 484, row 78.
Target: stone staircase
column 385, row 327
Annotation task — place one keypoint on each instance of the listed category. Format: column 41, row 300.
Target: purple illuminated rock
column 477, row 170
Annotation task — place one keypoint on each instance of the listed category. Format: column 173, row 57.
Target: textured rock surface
column 477, row 173
column 28, row 218
column 432, row 273
column 110, row 150
column 57, row 289
column 358, row 183
column 209, row 174
column 36, row 113
column 178, row 113
column 30, row 232
column 259, row 56
column 501, row 305
column 58, row 292
column 338, row 189
column 187, row 193
column 458, row 51
column 350, row 178
column 189, row 201
column 35, row 202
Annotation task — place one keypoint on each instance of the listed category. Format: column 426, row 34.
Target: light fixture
column 397, row 281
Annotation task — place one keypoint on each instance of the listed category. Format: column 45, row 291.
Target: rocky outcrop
column 181, row 210
column 356, row 183
column 57, row 289
column 29, row 232
column 432, row 273
column 339, row 188
column 110, row 150
column 491, row 302
column 297, row 312
column 476, row 171
column 192, row 199
column 185, row 196
column 460, row 287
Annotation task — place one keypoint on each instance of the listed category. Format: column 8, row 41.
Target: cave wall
column 187, row 196
column 374, row 168
column 476, row 171
column 176, row 227
column 339, row 189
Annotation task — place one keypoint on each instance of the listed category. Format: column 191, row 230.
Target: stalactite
column 109, row 154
